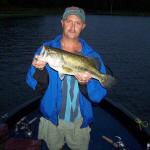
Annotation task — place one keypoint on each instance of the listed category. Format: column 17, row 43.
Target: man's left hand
column 83, row 78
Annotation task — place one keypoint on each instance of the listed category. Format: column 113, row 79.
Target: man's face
column 72, row 26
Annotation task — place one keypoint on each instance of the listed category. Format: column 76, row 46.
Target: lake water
column 122, row 41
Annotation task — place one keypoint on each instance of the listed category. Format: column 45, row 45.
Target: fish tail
column 107, row 81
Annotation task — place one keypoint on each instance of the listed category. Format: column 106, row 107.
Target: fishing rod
column 119, row 144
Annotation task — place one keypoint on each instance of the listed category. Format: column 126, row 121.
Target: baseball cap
column 74, row 11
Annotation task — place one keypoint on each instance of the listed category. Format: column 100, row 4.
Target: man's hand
column 83, row 78
column 38, row 64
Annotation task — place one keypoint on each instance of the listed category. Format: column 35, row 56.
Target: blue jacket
column 52, row 99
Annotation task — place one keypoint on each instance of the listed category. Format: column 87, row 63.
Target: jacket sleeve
column 37, row 79
column 93, row 89
column 42, row 78
column 30, row 80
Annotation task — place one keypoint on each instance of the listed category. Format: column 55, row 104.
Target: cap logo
column 73, row 8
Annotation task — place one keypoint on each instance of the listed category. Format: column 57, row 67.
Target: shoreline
column 41, row 12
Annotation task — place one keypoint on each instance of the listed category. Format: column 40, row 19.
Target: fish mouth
column 41, row 57
column 42, row 51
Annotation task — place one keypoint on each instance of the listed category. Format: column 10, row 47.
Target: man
column 66, row 108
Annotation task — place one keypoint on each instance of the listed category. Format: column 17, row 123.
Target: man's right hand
column 38, row 64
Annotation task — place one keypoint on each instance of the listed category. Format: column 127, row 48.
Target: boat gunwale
column 117, row 111
column 127, row 119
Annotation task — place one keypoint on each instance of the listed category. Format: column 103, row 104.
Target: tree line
column 96, row 5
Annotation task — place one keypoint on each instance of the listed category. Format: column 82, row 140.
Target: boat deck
column 104, row 125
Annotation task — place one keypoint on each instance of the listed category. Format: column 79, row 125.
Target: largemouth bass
column 69, row 63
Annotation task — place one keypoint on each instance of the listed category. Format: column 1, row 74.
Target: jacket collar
column 85, row 47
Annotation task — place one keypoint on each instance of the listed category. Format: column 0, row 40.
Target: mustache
column 73, row 31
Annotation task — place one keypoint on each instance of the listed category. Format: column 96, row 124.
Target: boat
column 114, row 127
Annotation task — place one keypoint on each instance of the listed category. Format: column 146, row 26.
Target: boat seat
column 22, row 144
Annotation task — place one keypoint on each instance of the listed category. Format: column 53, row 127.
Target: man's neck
column 71, row 45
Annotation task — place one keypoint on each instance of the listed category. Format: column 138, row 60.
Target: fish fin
column 67, row 70
column 61, row 75
column 78, row 53
column 94, row 62
column 107, row 81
